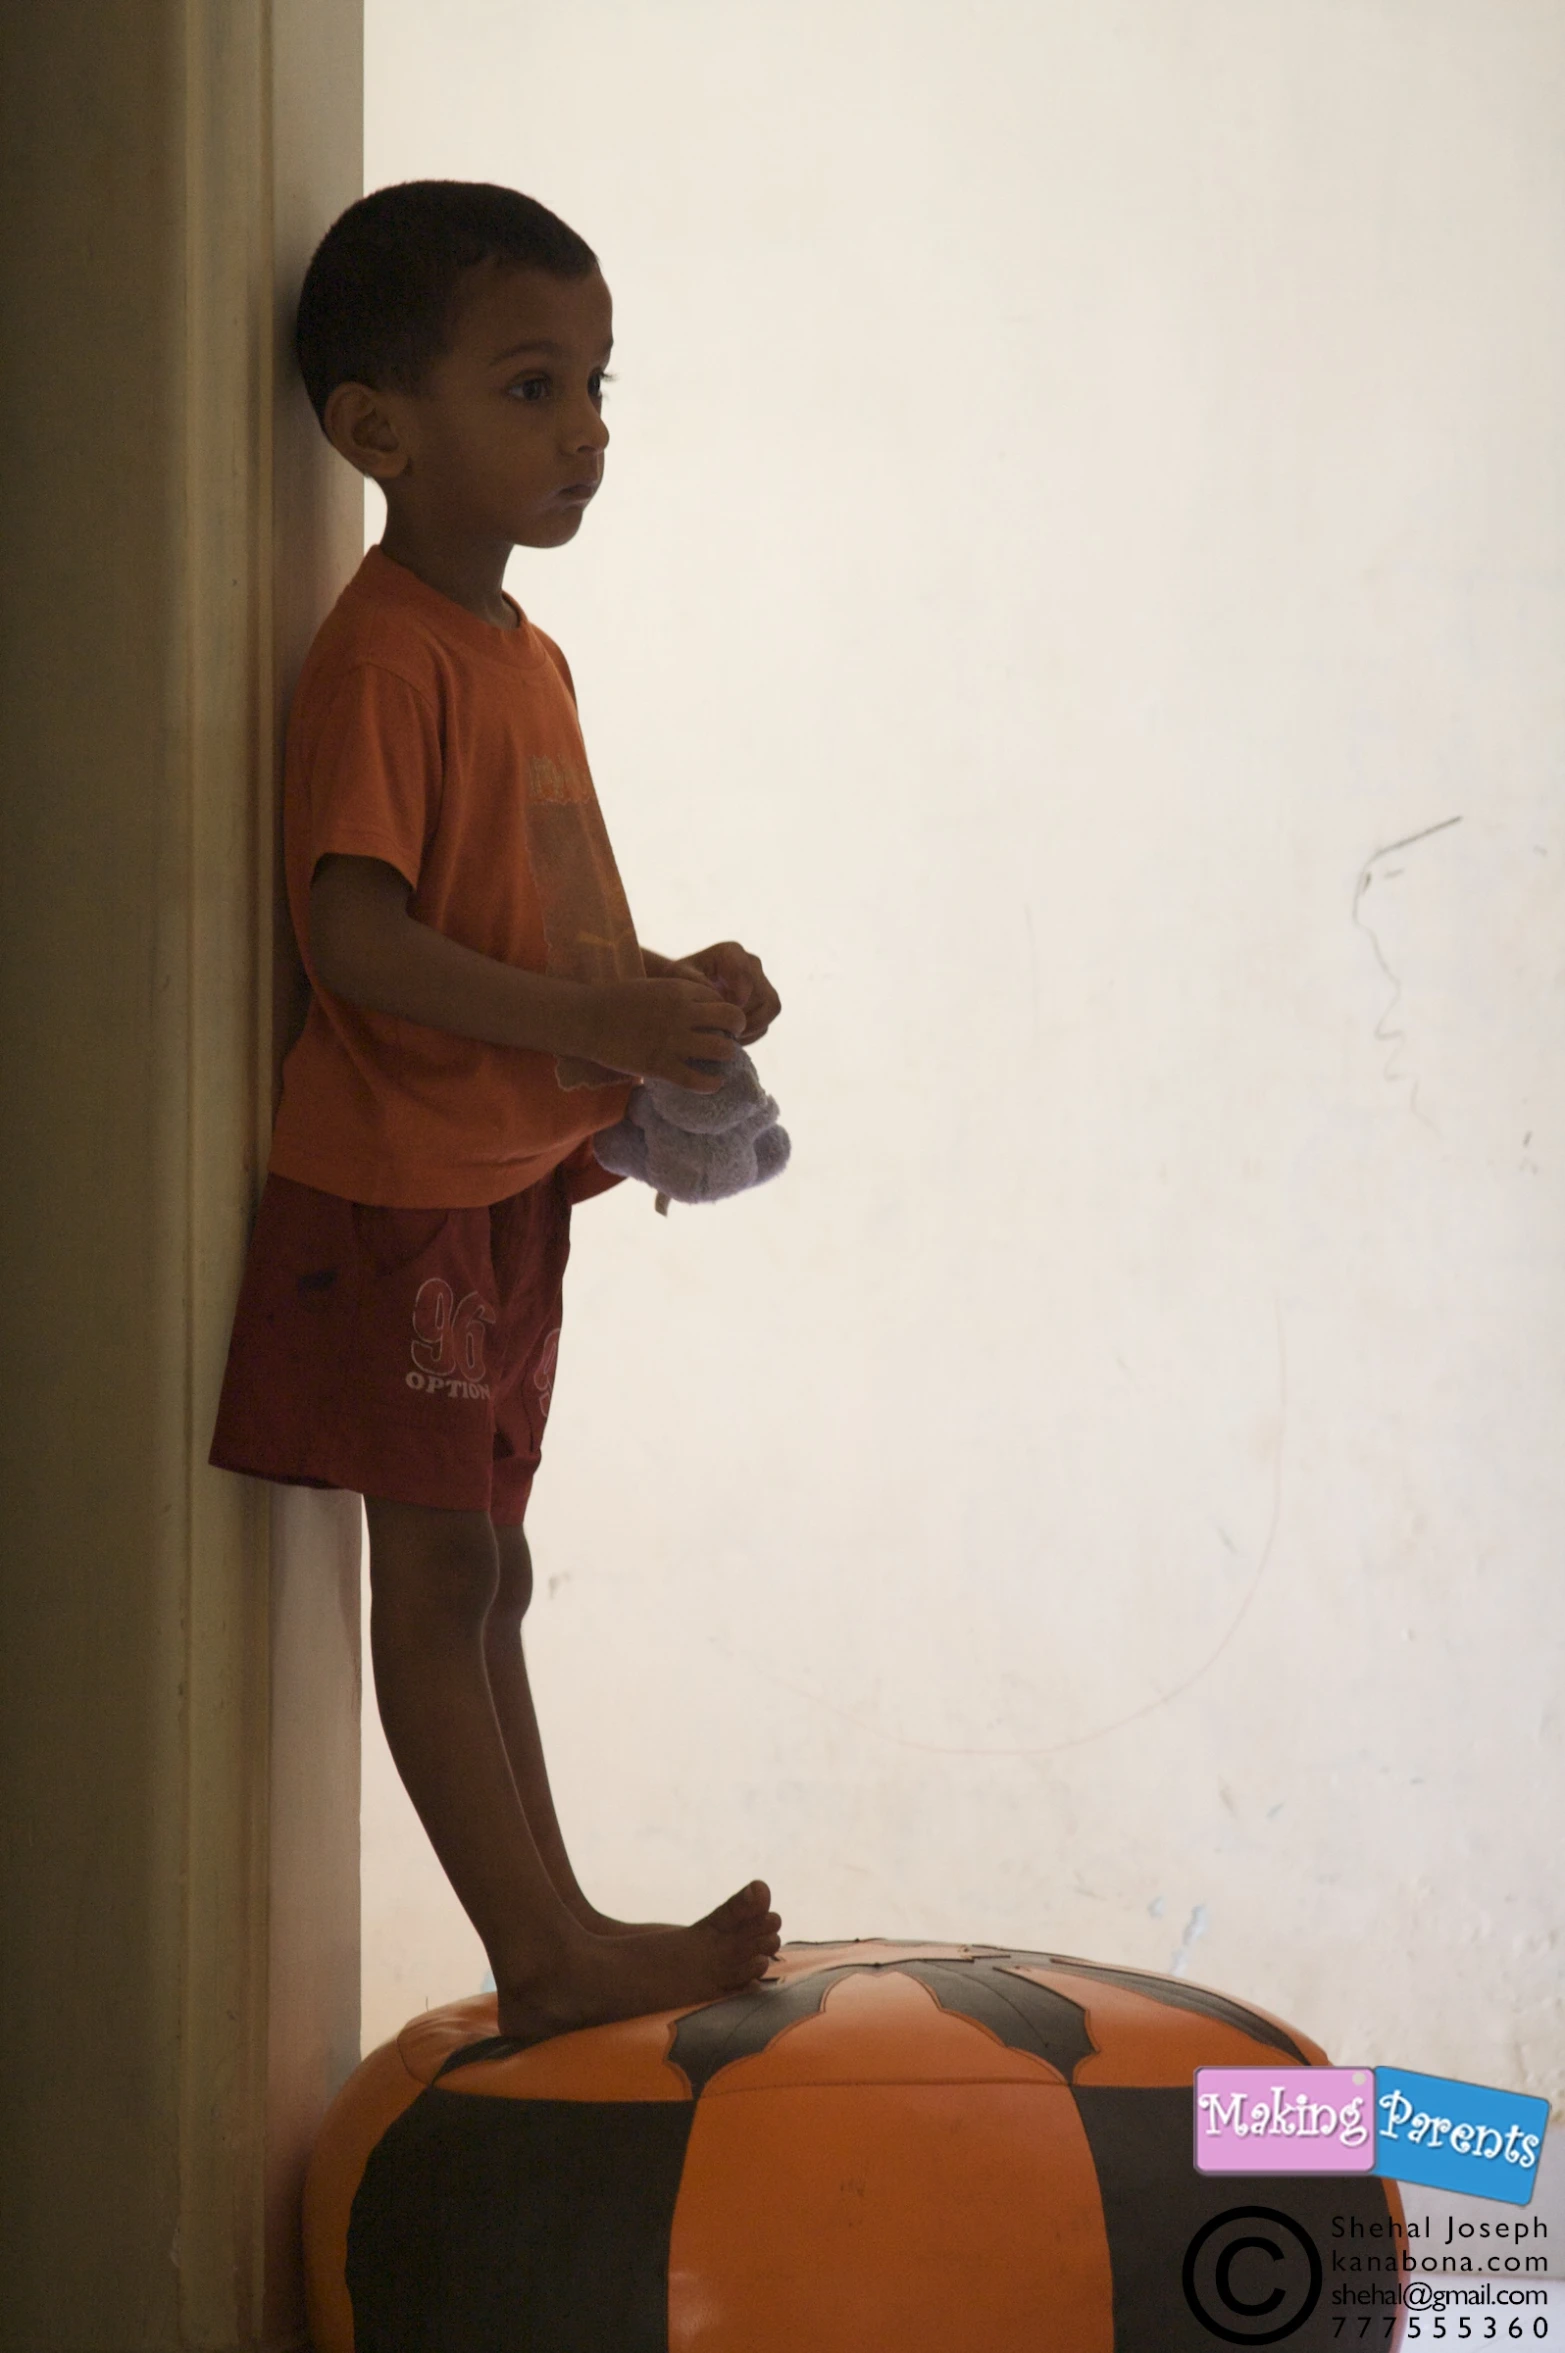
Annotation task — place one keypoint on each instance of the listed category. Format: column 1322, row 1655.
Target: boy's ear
column 361, row 427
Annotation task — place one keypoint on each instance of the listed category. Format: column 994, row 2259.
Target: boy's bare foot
column 598, row 1978
column 750, row 1903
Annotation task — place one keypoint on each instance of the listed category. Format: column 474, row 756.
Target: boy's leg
column 434, row 1576
column 506, row 1662
column 506, row 1665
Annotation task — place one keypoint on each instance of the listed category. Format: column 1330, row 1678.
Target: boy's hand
column 739, row 976
column 657, row 1028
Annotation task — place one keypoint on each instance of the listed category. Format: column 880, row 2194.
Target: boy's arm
column 367, row 948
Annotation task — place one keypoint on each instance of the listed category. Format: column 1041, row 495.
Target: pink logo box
column 1285, row 2119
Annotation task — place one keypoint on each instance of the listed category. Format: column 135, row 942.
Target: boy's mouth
column 578, row 493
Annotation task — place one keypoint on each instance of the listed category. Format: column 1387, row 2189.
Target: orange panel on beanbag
column 625, row 2061
column 868, row 1952
column 429, row 2040
column 928, row 2224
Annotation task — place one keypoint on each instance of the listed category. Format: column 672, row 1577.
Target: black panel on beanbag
column 742, row 2024
column 1174, row 1994
column 488, row 2225
column 1023, row 2015
column 1154, row 2203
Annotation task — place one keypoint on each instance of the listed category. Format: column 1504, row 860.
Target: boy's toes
column 746, row 1911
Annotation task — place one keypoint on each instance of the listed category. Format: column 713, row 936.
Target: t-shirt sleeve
column 374, row 773
column 558, row 659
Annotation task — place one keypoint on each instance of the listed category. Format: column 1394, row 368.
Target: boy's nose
column 583, row 431
column 589, row 420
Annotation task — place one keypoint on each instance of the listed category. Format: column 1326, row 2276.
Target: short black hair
column 375, row 306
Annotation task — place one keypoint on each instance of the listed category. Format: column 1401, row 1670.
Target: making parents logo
column 1298, row 2120
column 1415, row 2128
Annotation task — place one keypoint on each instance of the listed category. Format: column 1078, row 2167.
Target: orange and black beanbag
column 880, row 2149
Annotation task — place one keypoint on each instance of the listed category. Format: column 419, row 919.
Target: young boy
column 480, row 1006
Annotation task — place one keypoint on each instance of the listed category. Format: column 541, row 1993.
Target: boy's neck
column 469, row 575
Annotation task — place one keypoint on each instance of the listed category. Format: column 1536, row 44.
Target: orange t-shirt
column 450, row 749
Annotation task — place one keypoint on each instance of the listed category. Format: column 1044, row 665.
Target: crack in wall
column 1396, row 1039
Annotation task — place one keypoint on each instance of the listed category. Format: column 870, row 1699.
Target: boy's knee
column 514, row 1589
column 432, row 1564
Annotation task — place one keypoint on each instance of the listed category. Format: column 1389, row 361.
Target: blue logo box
column 1457, row 2136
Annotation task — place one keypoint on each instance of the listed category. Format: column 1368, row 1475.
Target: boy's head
column 452, row 337
column 379, row 297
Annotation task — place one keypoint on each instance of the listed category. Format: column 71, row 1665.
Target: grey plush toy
column 692, row 1147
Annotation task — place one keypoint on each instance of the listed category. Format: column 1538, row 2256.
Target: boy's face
column 505, row 438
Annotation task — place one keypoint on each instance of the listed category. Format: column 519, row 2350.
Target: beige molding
column 178, row 1659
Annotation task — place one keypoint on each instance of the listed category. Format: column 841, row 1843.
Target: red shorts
column 406, row 1353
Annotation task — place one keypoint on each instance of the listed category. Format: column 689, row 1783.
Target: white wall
column 1086, row 483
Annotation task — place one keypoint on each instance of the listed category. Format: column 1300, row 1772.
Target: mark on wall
column 1195, row 1929
column 1374, row 875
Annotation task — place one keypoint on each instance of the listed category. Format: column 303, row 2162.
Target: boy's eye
column 536, row 388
